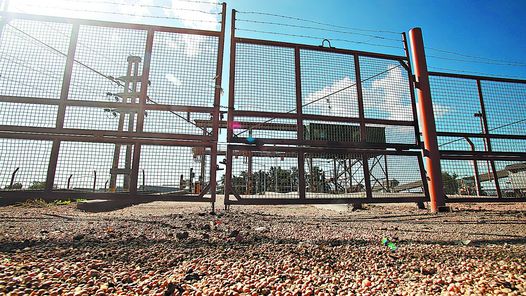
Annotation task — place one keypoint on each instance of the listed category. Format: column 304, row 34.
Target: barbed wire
column 475, row 72
column 316, row 22
column 127, row 14
column 318, row 28
column 474, row 57
column 319, row 38
column 475, row 62
column 155, row 6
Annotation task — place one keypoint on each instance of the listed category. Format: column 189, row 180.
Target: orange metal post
column 427, row 120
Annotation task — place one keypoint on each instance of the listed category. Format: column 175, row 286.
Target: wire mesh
column 259, row 174
column 95, row 118
column 390, row 134
column 395, row 176
column 512, row 178
column 455, row 103
column 328, row 84
column 264, row 79
column 183, row 69
column 166, row 169
column 105, row 50
column 33, row 115
column 257, row 128
column 386, row 89
column 172, row 122
column 462, row 143
column 461, row 176
column 27, row 160
column 508, row 145
column 505, row 105
column 317, row 130
column 334, row 175
column 28, row 67
column 84, row 164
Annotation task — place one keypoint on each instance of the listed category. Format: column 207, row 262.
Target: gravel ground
column 182, row 249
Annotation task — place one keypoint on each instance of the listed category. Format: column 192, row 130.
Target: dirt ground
column 166, row 248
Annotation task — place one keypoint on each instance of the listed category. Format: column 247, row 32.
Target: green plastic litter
column 391, row 246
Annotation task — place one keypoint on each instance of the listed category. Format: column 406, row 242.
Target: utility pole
column 129, row 97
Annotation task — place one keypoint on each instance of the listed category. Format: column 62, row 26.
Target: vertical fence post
column 363, row 131
column 231, row 85
column 216, row 112
column 300, row 132
column 487, row 139
column 61, row 113
column 427, row 118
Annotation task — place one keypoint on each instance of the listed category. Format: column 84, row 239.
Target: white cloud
column 386, row 95
column 340, row 96
column 174, row 80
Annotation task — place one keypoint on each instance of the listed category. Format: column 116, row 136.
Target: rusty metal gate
column 104, row 110
column 314, row 124
column 481, row 128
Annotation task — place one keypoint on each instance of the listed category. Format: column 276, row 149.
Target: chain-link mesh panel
column 84, row 166
column 27, row 160
column 505, row 107
column 27, row 114
column 455, row 103
column 264, row 79
column 94, row 118
column 386, row 89
column 395, row 175
column 260, row 174
column 328, row 84
column 105, row 50
column 512, row 178
column 172, row 122
column 168, row 169
column 462, row 176
column 33, row 58
column 183, row 69
column 257, row 128
column 330, row 175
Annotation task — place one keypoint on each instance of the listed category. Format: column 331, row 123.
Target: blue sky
column 492, row 29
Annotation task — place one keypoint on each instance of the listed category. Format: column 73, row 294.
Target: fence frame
column 301, row 145
column 136, row 138
column 487, row 136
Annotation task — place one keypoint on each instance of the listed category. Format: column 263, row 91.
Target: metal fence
column 108, row 110
column 481, row 128
column 320, row 125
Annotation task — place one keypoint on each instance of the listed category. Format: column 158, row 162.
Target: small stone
column 234, row 233
column 182, row 235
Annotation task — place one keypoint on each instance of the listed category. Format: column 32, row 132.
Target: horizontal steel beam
column 99, row 139
column 476, row 77
column 318, row 48
column 101, row 104
column 327, row 144
column 338, row 150
column 484, row 199
column 478, row 135
column 481, row 155
column 13, row 197
column 298, row 201
column 43, row 18
column 100, row 133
